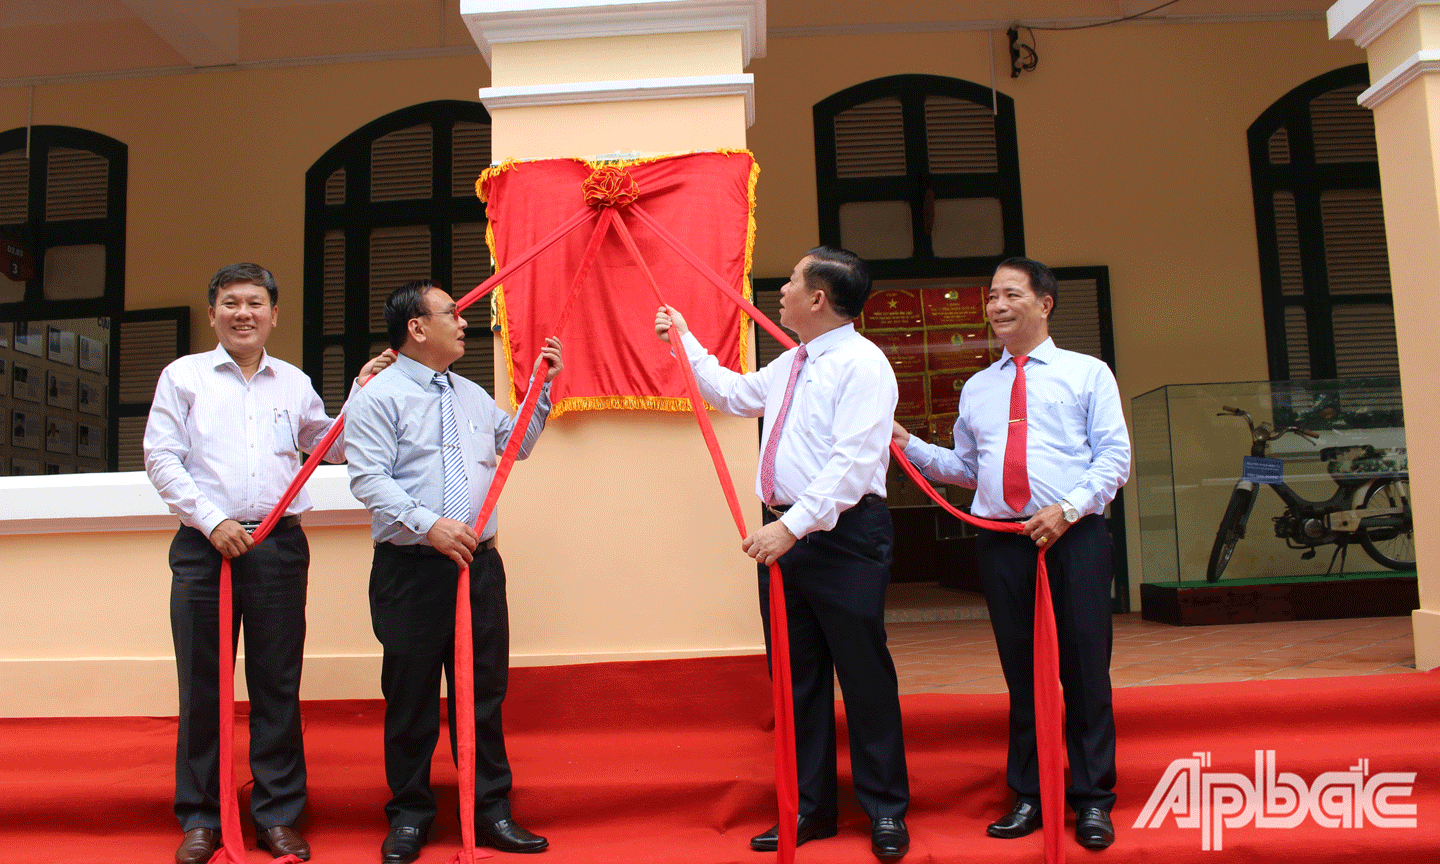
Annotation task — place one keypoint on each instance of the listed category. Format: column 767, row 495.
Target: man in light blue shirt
column 1071, row 455
column 423, row 445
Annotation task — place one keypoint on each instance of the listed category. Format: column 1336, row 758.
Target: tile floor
column 941, row 643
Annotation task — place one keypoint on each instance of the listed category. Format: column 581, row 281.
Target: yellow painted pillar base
column 1402, row 42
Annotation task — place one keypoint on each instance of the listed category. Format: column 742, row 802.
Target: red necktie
column 1016, row 477
column 767, row 462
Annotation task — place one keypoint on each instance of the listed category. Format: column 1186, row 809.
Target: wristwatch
column 1069, row 512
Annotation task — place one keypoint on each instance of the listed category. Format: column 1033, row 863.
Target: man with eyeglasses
column 423, row 445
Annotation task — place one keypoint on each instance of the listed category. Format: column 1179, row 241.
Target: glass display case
column 1272, row 480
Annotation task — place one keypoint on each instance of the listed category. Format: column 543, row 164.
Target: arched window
column 77, row 372
column 919, row 175
column 393, row 201
column 1324, row 269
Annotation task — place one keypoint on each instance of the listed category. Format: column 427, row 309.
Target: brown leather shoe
column 283, row 840
column 197, row 847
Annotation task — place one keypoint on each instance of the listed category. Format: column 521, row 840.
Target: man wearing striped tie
column 1041, row 438
column 423, row 445
column 828, row 406
column 222, row 444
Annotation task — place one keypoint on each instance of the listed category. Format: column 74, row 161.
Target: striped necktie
column 767, row 461
column 456, row 503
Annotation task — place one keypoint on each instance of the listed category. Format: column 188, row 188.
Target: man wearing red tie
column 828, row 406
column 1041, row 438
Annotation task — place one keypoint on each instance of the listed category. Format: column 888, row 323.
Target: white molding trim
column 1001, row 25
column 125, row 501
column 494, row 22
column 630, row 90
column 1365, row 20
column 1420, row 63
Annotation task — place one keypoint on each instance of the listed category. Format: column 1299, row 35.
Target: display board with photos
column 935, row 333
column 55, row 375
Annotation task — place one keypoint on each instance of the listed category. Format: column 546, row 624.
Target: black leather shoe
column 1022, row 820
column 888, row 838
column 402, row 845
column 1093, row 828
column 807, row 829
column 507, row 836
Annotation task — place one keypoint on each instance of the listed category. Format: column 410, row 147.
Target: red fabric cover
column 705, row 199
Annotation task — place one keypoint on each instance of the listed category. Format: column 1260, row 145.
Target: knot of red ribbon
column 610, row 187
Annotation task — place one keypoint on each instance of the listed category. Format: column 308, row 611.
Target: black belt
column 420, row 550
column 865, row 501
column 285, row 524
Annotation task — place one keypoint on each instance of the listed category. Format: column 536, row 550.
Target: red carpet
column 671, row 761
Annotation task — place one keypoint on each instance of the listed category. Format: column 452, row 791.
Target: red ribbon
column 609, row 193
column 1049, row 705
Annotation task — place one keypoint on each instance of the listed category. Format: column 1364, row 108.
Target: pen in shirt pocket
column 282, row 420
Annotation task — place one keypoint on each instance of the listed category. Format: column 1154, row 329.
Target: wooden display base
column 1297, row 598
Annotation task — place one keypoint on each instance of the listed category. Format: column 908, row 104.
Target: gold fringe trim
column 622, row 403
column 745, row 288
column 497, row 310
column 505, row 165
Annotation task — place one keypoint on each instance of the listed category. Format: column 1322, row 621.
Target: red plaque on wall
column 906, row 350
column 912, row 396
column 967, row 349
column 893, row 309
column 945, row 389
column 955, row 307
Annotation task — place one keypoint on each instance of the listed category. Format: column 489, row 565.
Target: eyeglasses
column 453, row 311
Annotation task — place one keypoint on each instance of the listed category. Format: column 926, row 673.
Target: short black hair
column 1042, row 280
column 843, row 274
column 244, row 272
column 403, row 304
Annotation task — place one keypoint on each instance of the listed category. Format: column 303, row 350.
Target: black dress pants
column 269, row 588
column 1079, row 564
column 412, row 609
column 835, row 604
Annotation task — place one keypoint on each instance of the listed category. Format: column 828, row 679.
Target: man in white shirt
column 822, row 479
column 222, row 443
column 1041, row 438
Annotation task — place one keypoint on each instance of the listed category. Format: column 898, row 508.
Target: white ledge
column 502, row 21
column 1395, row 80
column 1366, row 20
column 125, row 501
column 630, row 90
